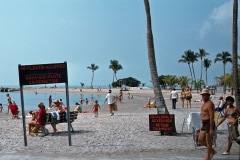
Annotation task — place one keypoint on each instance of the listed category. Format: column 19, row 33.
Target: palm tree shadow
column 65, row 133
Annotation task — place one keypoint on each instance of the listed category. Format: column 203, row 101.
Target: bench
column 50, row 119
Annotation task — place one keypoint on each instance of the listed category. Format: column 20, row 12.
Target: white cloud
column 205, row 29
column 220, row 20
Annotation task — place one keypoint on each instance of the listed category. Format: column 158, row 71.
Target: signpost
column 43, row 74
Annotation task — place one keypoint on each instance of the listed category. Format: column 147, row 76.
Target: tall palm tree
column 115, row 66
column 160, row 102
column 225, row 57
column 207, row 64
column 234, row 53
column 193, row 59
column 93, row 67
column 186, row 58
column 202, row 53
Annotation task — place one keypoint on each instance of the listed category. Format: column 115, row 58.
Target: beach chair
column 193, row 120
column 14, row 110
column 196, row 132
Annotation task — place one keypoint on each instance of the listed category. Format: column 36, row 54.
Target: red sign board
column 161, row 122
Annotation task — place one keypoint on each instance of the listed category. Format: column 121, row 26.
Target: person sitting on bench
column 220, row 105
column 38, row 121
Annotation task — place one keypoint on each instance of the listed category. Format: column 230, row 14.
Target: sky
column 83, row 32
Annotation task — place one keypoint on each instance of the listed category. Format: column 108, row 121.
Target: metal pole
column 23, row 116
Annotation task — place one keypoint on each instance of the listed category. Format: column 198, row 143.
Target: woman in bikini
column 182, row 96
column 232, row 114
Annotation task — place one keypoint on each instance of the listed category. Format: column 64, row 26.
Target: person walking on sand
column 188, row 97
column 232, row 113
column 182, row 96
column 95, row 107
column 111, row 99
column 208, row 124
column 50, row 101
column 9, row 100
column 174, row 97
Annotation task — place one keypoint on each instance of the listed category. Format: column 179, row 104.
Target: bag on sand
column 115, row 108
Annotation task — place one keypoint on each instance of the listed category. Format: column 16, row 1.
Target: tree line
column 189, row 57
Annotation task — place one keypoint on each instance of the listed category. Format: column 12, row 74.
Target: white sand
column 125, row 135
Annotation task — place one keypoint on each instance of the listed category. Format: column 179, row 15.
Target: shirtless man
column 208, row 125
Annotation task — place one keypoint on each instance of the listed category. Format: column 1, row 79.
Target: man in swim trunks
column 208, row 125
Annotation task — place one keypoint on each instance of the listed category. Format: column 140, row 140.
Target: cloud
column 220, row 20
column 205, row 29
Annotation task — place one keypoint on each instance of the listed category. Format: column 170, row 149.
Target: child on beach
column 95, row 107
column 78, row 108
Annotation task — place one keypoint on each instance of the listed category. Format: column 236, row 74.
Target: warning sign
column 42, row 74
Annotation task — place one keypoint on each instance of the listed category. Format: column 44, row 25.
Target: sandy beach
column 125, row 135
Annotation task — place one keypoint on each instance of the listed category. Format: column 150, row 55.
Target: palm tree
column 186, row 58
column 171, row 80
column 235, row 53
column 193, row 58
column 115, row 66
column 93, row 67
column 225, row 57
column 198, row 84
column 202, row 53
column 207, row 64
column 160, row 102
column 82, row 84
column 183, row 81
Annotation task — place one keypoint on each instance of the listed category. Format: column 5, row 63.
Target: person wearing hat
column 208, row 124
column 111, row 99
column 58, row 106
column 232, row 114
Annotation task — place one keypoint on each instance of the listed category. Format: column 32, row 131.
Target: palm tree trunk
column 201, row 71
column 92, row 80
column 160, row 102
column 194, row 75
column 224, row 86
column 190, row 73
column 235, row 54
column 206, row 78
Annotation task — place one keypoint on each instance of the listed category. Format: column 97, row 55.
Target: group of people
column 208, row 125
column 185, row 95
column 39, row 117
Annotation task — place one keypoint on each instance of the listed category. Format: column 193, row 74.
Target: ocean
column 31, row 99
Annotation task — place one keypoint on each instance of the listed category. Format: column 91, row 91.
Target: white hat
column 205, row 91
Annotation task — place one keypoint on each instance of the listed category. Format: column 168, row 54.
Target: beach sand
column 125, row 135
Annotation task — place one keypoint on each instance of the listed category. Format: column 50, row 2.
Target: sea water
column 31, row 99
